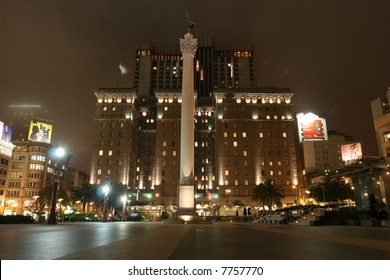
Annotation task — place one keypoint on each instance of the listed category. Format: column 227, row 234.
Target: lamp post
column 308, row 196
column 323, row 192
column 124, row 200
column 52, row 219
column 295, row 187
column 106, row 190
column 59, row 206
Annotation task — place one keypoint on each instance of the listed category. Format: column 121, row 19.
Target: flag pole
column 118, row 74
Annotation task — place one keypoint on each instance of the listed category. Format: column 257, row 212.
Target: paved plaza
column 171, row 241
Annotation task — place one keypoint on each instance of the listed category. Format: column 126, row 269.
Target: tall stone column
column 186, row 188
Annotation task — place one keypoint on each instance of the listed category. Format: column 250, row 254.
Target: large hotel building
column 244, row 134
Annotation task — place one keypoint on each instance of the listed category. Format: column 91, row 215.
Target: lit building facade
column 32, row 167
column 381, row 117
column 243, row 134
column 115, row 140
column 216, row 65
column 325, row 155
column 5, row 161
column 380, row 110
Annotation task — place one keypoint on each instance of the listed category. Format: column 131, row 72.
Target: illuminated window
column 244, row 134
column 101, row 152
column 235, row 144
column 174, row 153
column 225, row 134
column 164, row 153
column 271, row 163
column 245, row 153
column 164, row 143
column 284, row 134
column 279, row 163
column 246, row 182
column 105, row 108
column 99, row 172
column 279, row 172
column 110, row 152
column 227, row 172
column 234, row 134
column 165, row 108
column 236, row 182
column 261, row 135
column 386, row 136
column 271, row 173
column 268, row 117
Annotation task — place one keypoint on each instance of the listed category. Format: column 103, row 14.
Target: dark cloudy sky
column 334, row 54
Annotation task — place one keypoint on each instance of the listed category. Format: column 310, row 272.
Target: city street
column 169, row 241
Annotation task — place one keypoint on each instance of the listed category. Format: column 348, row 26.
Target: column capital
column 189, row 44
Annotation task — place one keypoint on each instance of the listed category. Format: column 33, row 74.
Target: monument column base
column 186, row 203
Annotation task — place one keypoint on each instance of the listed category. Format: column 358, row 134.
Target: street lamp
column 52, row 220
column 124, row 200
column 106, row 190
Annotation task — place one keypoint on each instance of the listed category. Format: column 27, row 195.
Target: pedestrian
column 372, row 207
column 286, row 218
column 382, row 211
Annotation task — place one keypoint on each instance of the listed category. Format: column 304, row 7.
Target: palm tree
column 85, row 193
column 45, row 196
column 267, row 194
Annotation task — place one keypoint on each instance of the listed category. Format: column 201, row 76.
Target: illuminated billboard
column 5, row 132
column 311, row 127
column 40, row 131
column 350, row 152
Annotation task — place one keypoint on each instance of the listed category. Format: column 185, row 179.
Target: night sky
column 335, row 55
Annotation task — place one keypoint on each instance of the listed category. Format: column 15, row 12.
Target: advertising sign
column 40, row 131
column 5, row 132
column 311, row 127
column 350, row 152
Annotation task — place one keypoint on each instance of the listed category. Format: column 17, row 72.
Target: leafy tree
column 267, row 194
column 334, row 190
column 85, row 193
